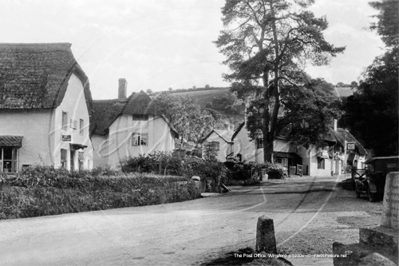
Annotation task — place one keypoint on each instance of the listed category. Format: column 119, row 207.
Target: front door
column 72, row 160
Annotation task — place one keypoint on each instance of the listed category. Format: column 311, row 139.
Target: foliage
column 372, row 112
column 186, row 116
column 388, row 21
column 271, row 41
column 252, row 171
column 275, row 171
column 43, row 190
column 157, row 162
column 210, row 171
column 308, row 111
column 224, row 103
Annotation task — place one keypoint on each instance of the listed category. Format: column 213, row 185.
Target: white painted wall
column 224, row 147
column 117, row 145
column 74, row 103
column 100, row 152
column 247, row 148
column 35, row 127
column 42, row 129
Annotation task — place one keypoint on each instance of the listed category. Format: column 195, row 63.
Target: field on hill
column 204, row 96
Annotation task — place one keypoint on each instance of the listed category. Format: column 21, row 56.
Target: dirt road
column 309, row 215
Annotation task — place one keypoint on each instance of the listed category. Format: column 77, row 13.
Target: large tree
column 185, row 114
column 372, row 112
column 267, row 44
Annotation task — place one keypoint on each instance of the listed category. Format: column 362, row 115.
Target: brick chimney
column 122, row 89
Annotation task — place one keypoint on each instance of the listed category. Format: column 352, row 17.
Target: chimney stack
column 122, row 89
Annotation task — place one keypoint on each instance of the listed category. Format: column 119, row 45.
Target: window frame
column 81, row 126
column 140, row 117
column 64, row 120
column 139, row 139
column 13, row 161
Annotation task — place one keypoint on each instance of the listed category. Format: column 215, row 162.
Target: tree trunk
column 271, row 121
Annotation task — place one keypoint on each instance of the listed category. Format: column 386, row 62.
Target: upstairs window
column 73, row 124
column 139, row 139
column 140, row 117
column 64, row 120
column 81, row 126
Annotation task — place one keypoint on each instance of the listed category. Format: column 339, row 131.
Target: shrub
column 158, row 162
column 43, row 190
column 275, row 171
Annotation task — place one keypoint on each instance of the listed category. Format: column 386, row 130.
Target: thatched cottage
column 221, row 139
column 45, row 107
column 328, row 159
column 125, row 127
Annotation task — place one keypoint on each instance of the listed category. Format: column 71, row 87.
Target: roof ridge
column 37, row 46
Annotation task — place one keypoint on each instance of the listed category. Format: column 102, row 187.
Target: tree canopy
column 372, row 112
column 186, row 116
column 267, row 44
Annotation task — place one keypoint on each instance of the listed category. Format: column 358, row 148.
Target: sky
column 161, row 44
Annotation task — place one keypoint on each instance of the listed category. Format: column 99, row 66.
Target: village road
column 309, row 215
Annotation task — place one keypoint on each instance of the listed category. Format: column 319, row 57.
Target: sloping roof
column 11, row 141
column 342, row 135
column 106, row 111
column 137, row 104
column 226, row 135
column 35, row 75
column 104, row 114
column 237, row 130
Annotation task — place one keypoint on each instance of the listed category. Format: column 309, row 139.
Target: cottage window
column 64, row 120
column 81, row 126
column 140, row 117
column 139, row 139
column 74, row 124
column 8, row 159
column 320, row 163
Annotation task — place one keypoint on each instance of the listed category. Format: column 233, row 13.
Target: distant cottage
column 125, row 127
column 45, row 108
column 340, row 148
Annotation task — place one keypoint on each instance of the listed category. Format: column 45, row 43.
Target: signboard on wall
column 66, row 137
column 350, row 146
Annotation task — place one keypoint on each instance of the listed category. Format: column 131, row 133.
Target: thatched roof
column 225, row 135
column 342, row 135
column 104, row 114
column 35, row 75
column 106, row 111
column 237, row 130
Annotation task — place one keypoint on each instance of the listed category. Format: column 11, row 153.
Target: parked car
column 371, row 180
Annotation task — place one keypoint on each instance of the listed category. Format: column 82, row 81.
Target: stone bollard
column 265, row 239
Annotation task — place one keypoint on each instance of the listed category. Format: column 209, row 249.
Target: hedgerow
column 43, row 190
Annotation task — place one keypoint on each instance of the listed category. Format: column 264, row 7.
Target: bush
column 212, row 172
column 158, row 162
column 44, row 190
column 275, row 171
